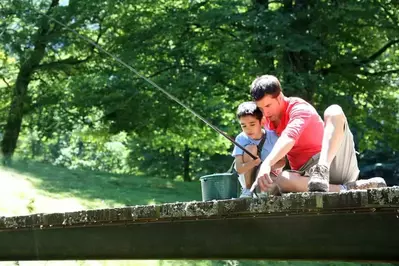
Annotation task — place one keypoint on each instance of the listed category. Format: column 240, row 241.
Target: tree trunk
column 186, row 176
column 265, row 62
column 299, row 63
column 14, row 120
column 81, row 147
column 16, row 112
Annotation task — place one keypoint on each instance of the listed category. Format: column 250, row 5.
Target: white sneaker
column 246, row 193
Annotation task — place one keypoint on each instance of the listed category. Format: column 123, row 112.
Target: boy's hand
column 257, row 161
column 263, row 179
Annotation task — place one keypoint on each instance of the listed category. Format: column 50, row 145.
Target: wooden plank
column 355, row 226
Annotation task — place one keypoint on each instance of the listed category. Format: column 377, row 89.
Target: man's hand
column 283, row 145
column 263, row 179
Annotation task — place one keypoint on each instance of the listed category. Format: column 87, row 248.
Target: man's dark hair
column 265, row 85
column 249, row 108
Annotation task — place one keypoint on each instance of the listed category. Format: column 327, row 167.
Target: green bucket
column 219, row 186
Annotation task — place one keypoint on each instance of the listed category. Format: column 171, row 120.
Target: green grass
column 47, row 188
column 33, row 187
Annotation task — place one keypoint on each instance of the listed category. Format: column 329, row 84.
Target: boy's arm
column 242, row 167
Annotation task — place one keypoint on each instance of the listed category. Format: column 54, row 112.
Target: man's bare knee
column 252, row 149
column 281, row 180
column 291, row 182
column 334, row 114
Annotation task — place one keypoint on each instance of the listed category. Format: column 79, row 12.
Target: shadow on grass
column 111, row 188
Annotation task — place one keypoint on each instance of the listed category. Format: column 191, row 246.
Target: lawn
column 34, row 187
column 38, row 187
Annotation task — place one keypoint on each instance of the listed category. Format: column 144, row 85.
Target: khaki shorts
column 344, row 167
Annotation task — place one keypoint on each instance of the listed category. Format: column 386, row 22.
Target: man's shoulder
column 296, row 101
column 296, row 104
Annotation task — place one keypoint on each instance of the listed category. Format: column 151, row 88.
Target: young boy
column 250, row 118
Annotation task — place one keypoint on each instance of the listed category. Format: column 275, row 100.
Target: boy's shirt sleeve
column 240, row 139
column 271, row 139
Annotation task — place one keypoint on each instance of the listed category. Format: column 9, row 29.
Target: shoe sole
column 317, row 187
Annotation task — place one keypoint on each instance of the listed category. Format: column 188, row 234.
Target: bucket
column 219, row 186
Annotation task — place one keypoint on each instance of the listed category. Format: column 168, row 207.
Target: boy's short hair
column 249, row 108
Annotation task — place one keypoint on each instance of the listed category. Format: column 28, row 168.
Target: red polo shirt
column 301, row 122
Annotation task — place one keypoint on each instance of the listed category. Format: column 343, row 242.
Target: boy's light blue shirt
column 244, row 140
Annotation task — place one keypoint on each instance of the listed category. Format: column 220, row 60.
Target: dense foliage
column 64, row 101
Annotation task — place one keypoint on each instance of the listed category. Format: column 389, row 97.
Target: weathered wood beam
column 351, row 226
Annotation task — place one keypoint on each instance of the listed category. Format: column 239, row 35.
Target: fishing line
column 87, row 39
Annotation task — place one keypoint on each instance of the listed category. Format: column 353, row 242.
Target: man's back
column 301, row 122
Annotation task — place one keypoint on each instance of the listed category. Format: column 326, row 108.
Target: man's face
column 251, row 126
column 270, row 107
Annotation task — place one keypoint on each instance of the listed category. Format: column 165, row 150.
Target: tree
column 42, row 50
column 206, row 53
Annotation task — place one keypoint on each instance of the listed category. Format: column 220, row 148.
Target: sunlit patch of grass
column 38, row 187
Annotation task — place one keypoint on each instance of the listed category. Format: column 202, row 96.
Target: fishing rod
column 117, row 59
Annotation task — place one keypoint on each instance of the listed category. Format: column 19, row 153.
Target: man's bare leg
column 334, row 122
column 334, row 135
column 294, row 182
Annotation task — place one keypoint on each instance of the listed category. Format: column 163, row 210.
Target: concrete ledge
column 350, row 226
column 293, row 203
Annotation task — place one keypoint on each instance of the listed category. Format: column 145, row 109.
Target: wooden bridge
column 350, row 226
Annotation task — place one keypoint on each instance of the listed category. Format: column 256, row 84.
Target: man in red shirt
column 321, row 153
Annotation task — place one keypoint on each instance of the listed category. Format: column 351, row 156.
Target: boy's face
column 251, row 126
